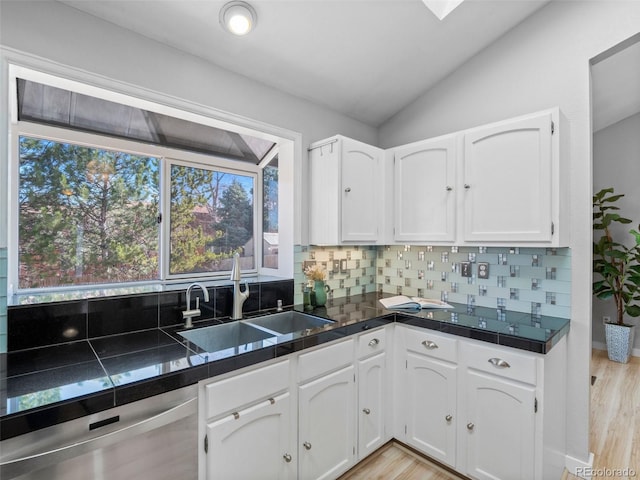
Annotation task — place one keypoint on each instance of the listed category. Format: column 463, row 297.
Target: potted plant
column 617, row 263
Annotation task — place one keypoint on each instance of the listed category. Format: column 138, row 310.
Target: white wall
column 616, row 163
column 56, row 32
column 543, row 62
column 56, row 37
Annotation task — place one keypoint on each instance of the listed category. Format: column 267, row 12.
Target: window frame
column 289, row 156
column 165, row 253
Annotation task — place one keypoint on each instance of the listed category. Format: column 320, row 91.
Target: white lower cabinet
column 237, row 448
column 480, row 408
column 237, row 414
column 372, row 405
column 326, row 429
column 500, row 428
column 431, row 407
column 487, row 411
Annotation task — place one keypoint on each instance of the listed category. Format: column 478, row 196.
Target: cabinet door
column 371, row 404
column 326, row 428
column 253, row 440
column 499, row 428
column 507, row 181
column 430, row 407
column 425, row 197
column 361, row 191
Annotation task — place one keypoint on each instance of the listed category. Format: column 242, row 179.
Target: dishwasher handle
column 15, row 467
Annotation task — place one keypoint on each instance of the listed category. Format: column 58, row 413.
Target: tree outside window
column 86, row 215
column 212, row 218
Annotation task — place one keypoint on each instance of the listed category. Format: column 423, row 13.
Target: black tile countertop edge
column 351, row 316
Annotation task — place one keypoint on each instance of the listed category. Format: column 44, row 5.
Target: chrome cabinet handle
column 470, row 426
column 449, row 188
column 287, row 458
column 366, row 411
column 236, row 415
column 467, row 186
column 307, row 445
column 499, row 363
column 448, row 418
column 374, row 342
column 429, row 344
column 347, row 190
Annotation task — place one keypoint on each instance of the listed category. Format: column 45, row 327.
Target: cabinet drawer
column 234, row 392
column 324, row 360
column 427, row 342
column 372, row 342
column 501, row 361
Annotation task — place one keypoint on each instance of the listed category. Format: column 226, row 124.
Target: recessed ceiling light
column 238, row 17
column 442, row 8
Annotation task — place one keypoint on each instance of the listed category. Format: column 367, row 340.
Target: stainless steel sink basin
column 236, row 335
column 287, row 322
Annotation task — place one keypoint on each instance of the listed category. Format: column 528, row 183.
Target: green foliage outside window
column 86, row 215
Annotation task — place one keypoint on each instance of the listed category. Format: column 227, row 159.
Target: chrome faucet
column 188, row 314
column 238, row 295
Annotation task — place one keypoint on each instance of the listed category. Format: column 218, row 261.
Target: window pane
column 86, row 215
column 211, row 219
column 270, row 217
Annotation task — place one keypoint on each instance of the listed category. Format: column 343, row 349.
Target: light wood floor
column 615, row 431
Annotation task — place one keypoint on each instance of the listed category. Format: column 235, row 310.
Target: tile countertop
column 49, row 385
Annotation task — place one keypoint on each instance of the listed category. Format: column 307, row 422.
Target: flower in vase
column 315, row 272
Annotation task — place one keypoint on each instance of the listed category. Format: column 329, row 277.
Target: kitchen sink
column 237, row 335
column 287, row 322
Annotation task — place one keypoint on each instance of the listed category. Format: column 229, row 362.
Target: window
column 92, row 206
column 270, row 215
column 86, row 215
column 212, row 218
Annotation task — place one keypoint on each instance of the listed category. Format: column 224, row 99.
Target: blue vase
column 321, row 290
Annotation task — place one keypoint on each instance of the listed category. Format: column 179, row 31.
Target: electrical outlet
column 483, row 270
column 606, row 319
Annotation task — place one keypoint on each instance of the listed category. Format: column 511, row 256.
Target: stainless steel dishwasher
column 154, row 438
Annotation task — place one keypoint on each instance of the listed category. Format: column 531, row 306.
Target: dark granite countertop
column 44, row 386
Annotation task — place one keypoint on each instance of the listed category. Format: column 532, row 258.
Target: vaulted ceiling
column 367, row 59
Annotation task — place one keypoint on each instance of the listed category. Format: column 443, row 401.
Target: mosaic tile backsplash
column 530, row 280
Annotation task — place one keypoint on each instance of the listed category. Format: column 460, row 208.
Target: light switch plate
column 465, row 269
column 483, row 270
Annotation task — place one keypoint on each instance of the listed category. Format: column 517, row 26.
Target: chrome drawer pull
column 236, row 415
column 448, row 418
column 499, row 363
column 272, row 401
column 429, row 344
column 470, row 426
column 307, row 445
column 287, row 458
column 366, row 411
column 374, row 342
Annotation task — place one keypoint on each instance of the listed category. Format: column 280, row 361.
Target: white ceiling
column 367, row 59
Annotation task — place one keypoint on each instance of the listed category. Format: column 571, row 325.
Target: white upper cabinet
column 425, row 190
column 510, row 181
column 346, row 192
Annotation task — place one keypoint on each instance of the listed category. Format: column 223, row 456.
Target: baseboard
column 578, row 467
column 603, row 346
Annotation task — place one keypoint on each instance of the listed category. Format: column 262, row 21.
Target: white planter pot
column 619, row 341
